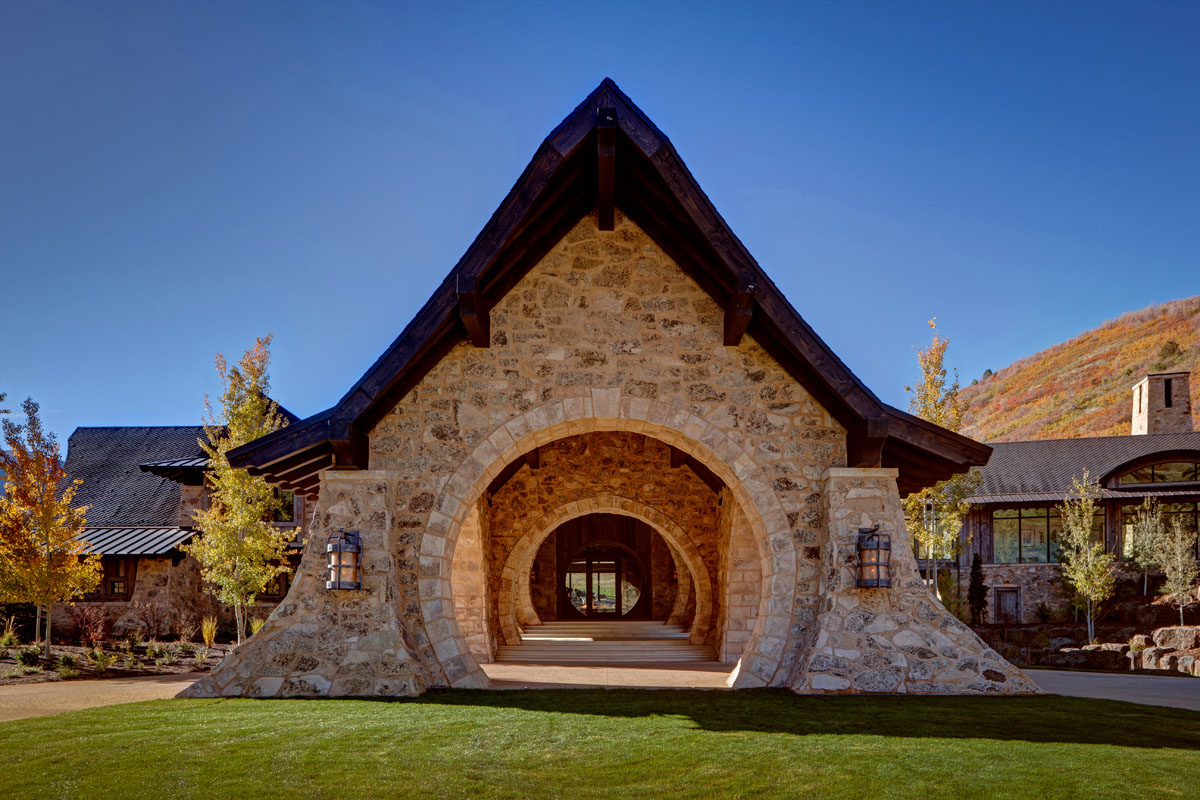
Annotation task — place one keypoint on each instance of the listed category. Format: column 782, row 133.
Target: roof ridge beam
column 606, row 167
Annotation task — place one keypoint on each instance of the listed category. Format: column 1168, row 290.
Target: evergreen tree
column 239, row 550
column 977, row 592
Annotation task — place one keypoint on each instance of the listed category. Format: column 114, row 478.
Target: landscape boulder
column 1177, row 637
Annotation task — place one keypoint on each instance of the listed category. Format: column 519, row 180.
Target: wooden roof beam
column 473, row 311
column 606, row 168
column 740, row 309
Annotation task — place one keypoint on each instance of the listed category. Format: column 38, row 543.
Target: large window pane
column 1034, row 533
column 1174, row 472
column 1005, row 537
column 1143, row 475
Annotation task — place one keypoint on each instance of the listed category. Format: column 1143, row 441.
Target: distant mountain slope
column 1082, row 387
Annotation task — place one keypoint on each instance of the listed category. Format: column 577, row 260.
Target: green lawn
column 607, row 744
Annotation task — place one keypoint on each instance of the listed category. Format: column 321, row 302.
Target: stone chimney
column 1162, row 403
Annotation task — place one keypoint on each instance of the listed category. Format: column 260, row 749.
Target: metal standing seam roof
column 197, row 462
column 135, row 541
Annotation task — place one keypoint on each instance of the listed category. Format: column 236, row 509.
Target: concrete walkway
column 55, row 697
column 1154, row 690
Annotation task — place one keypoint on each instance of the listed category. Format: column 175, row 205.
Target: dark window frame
column 1048, row 513
column 110, row 565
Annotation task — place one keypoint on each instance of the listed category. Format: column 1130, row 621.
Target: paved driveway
column 1154, row 690
column 39, row 699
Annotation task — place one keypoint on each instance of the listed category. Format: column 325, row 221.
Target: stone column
column 334, row 643
column 897, row 640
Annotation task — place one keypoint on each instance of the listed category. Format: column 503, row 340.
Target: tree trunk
column 1145, row 581
column 239, row 614
column 37, row 624
column 1182, row 600
column 49, row 611
column 1091, row 630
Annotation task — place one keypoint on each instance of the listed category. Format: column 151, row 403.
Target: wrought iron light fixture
column 344, row 552
column 874, row 559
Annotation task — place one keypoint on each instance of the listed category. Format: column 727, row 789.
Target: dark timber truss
column 606, row 155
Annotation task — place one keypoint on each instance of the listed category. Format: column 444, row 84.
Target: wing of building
column 1016, row 525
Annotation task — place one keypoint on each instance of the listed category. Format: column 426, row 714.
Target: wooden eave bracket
column 606, row 168
column 864, row 443
column 740, row 310
column 473, row 311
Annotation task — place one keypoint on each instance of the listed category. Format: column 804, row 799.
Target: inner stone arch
column 775, row 633
column 515, row 578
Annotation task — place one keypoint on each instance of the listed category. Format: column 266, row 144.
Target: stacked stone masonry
column 606, row 338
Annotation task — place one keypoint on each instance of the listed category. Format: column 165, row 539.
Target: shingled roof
column 115, row 488
column 1042, row 470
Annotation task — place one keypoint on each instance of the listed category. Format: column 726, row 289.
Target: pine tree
column 1087, row 565
column 977, row 592
column 934, row 516
column 43, row 560
column 239, row 550
column 1177, row 556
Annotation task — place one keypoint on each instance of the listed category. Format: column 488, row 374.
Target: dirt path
column 39, row 699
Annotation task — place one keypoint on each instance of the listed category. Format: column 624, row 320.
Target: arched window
column 1165, row 472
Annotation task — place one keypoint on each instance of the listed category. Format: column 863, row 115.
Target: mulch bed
column 128, row 660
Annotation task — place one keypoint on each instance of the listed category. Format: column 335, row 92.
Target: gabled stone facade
column 606, row 339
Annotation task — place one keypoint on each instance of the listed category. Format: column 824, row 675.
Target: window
column 1032, row 535
column 290, row 510
column 116, row 583
column 1167, row 472
column 1167, row 392
column 1187, row 513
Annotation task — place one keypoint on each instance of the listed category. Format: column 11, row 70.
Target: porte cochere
column 608, row 413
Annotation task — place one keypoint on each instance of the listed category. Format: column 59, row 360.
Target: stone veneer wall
column 470, row 582
column 579, row 468
column 338, row 643
column 898, row 640
column 740, row 579
column 607, row 334
column 1038, row 583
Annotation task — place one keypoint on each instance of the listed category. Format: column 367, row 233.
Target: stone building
column 141, row 486
column 1014, row 525
column 608, row 412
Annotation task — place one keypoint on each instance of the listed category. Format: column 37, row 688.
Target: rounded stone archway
column 774, row 635
column 514, row 578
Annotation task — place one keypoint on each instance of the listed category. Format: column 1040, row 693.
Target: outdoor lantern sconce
column 344, row 551
column 874, row 559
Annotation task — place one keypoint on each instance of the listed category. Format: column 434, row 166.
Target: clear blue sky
column 176, row 178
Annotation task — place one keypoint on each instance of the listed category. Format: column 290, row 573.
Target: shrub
column 28, row 656
column 67, row 672
column 1136, row 645
column 155, row 649
column 201, row 657
column 1044, row 612
column 153, row 616
column 187, row 631
column 186, row 648
column 9, row 637
column 208, row 630
column 93, row 624
column 66, row 660
column 101, row 659
column 256, row 624
column 168, row 654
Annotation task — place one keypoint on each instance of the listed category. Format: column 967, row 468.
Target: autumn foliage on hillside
column 1082, row 387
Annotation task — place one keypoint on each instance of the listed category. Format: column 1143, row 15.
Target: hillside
column 1082, row 387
